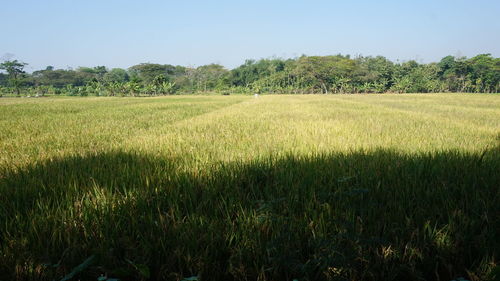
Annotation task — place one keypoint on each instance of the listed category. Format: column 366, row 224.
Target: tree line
column 305, row 74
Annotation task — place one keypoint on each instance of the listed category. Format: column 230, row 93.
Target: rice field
column 288, row 187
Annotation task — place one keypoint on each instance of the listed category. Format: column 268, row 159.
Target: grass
column 341, row 187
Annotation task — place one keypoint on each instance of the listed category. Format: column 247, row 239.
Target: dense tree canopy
column 305, row 74
column 15, row 70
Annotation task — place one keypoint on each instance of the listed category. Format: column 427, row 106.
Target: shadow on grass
column 377, row 215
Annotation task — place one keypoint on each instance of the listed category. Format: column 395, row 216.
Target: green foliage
column 147, row 72
column 251, row 71
column 116, row 75
column 323, row 72
column 15, row 70
column 3, row 79
column 60, row 78
column 374, row 74
column 208, row 77
column 305, row 74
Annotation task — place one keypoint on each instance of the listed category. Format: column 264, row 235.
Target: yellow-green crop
column 308, row 187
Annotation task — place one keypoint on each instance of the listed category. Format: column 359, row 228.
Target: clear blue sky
column 121, row 33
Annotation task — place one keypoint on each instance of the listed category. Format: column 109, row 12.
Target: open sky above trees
column 193, row 33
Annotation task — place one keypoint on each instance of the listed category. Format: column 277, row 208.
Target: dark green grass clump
column 378, row 215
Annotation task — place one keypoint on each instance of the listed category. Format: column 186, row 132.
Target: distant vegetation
column 305, row 74
column 305, row 187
